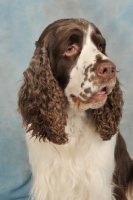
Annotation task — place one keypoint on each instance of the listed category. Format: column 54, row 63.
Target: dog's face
column 79, row 63
column 70, row 60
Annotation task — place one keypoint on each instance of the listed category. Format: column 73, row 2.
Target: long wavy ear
column 41, row 101
column 107, row 118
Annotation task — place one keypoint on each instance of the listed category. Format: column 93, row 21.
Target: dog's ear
column 41, row 101
column 107, row 118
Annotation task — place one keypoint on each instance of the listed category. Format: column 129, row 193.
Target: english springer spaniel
column 71, row 104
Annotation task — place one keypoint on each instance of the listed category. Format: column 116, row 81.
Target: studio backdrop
column 22, row 22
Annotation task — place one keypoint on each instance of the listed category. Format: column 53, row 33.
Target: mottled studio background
column 21, row 23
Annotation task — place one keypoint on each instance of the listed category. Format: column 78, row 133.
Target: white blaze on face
column 78, row 80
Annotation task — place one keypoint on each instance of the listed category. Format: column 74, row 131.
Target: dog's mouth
column 101, row 94
column 95, row 101
column 103, row 91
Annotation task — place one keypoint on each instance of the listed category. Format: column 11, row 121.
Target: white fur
column 87, row 57
column 79, row 170
column 83, row 168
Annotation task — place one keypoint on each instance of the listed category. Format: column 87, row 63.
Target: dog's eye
column 101, row 47
column 72, row 49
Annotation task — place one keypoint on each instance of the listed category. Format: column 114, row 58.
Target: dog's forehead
column 60, row 28
column 89, row 48
column 80, row 24
column 69, row 26
column 84, row 27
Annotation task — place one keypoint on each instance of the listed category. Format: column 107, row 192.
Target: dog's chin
column 93, row 103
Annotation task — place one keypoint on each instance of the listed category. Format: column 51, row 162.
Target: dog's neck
column 80, row 125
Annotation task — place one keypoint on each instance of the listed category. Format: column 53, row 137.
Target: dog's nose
column 106, row 70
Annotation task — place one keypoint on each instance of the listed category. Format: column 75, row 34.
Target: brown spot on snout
column 83, row 95
column 92, row 69
column 86, row 72
column 87, row 69
column 88, row 90
column 82, row 84
column 98, row 58
column 85, row 79
column 92, row 78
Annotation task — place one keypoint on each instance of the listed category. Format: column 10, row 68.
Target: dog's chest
column 81, row 169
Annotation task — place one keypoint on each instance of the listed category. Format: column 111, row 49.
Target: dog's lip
column 74, row 98
column 102, row 91
column 99, row 96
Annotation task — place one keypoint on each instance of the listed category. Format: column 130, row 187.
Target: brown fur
column 107, row 118
column 98, row 39
column 42, row 103
column 123, row 175
column 41, row 99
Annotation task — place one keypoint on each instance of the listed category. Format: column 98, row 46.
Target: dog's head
column 70, row 66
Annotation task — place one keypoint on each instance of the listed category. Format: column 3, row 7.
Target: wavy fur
column 41, row 101
column 87, row 167
column 107, row 118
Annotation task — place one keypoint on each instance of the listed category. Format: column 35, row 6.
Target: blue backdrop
column 21, row 24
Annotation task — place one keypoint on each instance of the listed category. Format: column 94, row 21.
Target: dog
column 71, row 105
